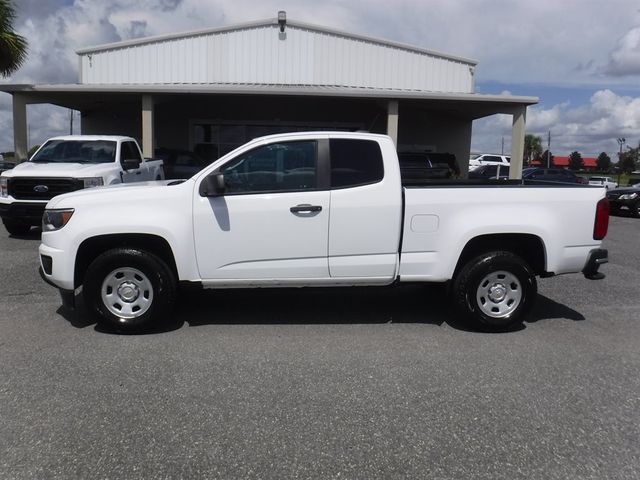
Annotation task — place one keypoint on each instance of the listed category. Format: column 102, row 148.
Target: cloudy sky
column 581, row 57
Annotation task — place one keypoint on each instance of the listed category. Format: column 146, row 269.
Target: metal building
column 212, row 90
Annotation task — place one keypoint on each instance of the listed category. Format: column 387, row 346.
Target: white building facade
column 211, row 90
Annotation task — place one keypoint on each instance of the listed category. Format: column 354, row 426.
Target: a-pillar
column 517, row 142
column 20, row 127
column 147, row 126
column 392, row 121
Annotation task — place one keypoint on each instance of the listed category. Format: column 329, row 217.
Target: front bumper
column 28, row 212
column 57, row 266
column 597, row 257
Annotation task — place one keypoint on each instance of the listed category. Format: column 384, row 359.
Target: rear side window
column 129, row 151
column 355, row 162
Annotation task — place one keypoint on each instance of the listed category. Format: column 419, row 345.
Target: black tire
column 16, row 227
column 129, row 278
column 635, row 209
column 504, row 276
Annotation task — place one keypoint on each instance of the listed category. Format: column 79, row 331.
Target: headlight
column 55, row 219
column 92, row 182
column 4, row 189
column 628, row 196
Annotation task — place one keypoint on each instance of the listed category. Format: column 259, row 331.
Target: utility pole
column 549, row 149
column 621, row 142
column 70, row 122
column 502, row 151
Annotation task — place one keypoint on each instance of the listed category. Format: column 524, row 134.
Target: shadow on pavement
column 428, row 304
column 547, row 309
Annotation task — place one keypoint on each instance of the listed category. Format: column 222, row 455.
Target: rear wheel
column 16, row 227
column 495, row 289
column 128, row 289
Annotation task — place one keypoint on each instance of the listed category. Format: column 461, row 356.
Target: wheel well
column 92, row 247
column 528, row 247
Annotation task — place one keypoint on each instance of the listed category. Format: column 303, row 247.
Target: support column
column 392, row 121
column 20, row 127
column 147, row 126
column 517, row 142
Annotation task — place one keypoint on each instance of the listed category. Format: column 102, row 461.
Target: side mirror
column 213, row 185
column 131, row 163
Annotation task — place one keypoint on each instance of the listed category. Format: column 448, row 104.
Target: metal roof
column 270, row 22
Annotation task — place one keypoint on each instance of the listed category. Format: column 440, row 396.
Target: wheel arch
column 529, row 247
column 92, row 247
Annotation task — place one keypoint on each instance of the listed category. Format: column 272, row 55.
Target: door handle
column 305, row 207
column 138, row 173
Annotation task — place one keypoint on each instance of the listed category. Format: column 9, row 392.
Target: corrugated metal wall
column 260, row 55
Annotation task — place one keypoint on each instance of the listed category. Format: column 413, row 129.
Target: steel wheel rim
column 127, row 293
column 499, row 294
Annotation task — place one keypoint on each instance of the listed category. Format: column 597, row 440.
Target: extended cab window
column 278, row 167
column 129, row 151
column 355, row 162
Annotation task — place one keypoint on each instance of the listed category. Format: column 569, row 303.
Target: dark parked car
column 417, row 166
column 625, row 199
column 558, row 175
column 179, row 163
column 499, row 172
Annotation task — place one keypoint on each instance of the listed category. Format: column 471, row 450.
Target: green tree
column 532, row 147
column 603, row 162
column 628, row 160
column 543, row 158
column 575, row 161
column 13, row 47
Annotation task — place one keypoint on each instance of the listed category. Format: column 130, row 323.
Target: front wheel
column 129, row 289
column 496, row 289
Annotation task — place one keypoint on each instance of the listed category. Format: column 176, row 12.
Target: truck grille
column 27, row 188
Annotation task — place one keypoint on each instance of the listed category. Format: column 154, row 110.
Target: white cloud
column 589, row 129
column 625, row 59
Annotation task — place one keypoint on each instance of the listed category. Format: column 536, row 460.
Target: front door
column 272, row 222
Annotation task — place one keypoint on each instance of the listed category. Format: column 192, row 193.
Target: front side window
column 355, row 162
column 277, row 167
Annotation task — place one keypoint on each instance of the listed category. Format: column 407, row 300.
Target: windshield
column 76, row 151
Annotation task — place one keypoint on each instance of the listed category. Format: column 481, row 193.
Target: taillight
column 602, row 220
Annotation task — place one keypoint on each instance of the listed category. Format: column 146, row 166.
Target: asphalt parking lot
column 344, row 383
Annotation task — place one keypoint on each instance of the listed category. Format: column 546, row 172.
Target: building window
column 212, row 141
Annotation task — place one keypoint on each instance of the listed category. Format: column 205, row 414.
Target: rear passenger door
column 366, row 212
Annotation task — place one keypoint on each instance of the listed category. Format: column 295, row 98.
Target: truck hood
column 113, row 194
column 68, row 170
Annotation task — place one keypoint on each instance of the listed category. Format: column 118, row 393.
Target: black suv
column 625, row 199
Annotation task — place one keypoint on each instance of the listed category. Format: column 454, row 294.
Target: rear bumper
column 597, row 257
column 28, row 212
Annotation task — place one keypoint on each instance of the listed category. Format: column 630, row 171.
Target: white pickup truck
column 318, row 209
column 65, row 164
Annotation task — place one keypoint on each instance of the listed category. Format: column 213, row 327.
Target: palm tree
column 532, row 148
column 13, row 47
